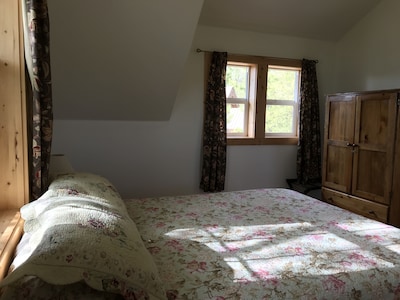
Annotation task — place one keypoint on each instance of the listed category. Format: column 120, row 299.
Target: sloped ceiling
column 119, row 60
column 123, row 60
column 315, row 19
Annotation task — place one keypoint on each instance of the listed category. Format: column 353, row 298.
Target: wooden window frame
column 249, row 102
column 257, row 107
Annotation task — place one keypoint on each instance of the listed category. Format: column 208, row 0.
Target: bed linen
column 80, row 243
column 267, row 244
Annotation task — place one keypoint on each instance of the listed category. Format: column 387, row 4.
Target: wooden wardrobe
column 361, row 166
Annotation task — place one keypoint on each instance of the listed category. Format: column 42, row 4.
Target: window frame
column 248, row 102
column 294, row 103
column 257, row 103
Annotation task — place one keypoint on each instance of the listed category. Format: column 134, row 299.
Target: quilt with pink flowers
column 267, row 244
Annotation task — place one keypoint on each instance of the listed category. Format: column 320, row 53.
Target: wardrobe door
column 394, row 217
column 374, row 145
column 339, row 136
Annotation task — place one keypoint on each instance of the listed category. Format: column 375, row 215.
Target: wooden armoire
column 361, row 160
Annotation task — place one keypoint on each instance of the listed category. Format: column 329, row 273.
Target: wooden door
column 374, row 144
column 339, row 136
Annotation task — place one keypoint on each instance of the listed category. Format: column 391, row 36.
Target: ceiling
column 314, row 19
column 131, row 68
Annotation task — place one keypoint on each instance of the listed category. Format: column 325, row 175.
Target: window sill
column 268, row 141
column 11, row 227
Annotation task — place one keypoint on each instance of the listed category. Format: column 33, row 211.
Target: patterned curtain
column 309, row 146
column 214, row 127
column 37, row 56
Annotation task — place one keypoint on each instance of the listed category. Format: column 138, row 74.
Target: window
column 262, row 100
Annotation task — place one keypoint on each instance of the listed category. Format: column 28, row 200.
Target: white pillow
column 86, row 185
column 82, row 237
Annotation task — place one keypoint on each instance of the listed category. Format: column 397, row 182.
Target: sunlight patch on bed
column 233, row 233
column 394, row 248
column 262, row 252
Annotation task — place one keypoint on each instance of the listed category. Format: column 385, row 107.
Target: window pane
column 237, row 78
column 282, row 84
column 279, row 119
column 235, row 117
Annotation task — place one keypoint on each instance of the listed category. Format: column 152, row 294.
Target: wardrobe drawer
column 357, row 205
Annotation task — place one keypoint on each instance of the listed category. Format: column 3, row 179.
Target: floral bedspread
column 267, row 244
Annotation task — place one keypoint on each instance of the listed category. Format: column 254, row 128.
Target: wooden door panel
column 374, row 145
column 370, row 183
column 338, row 168
column 341, row 119
column 339, row 132
column 374, row 122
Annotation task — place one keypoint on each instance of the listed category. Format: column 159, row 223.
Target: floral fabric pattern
column 267, row 244
column 309, row 146
column 37, row 53
column 214, row 127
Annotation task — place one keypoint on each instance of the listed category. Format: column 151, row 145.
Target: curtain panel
column 37, row 55
column 309, row 145
column 214, row 126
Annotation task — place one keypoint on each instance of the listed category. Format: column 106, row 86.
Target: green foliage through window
column 281, row 84
column 282, row 89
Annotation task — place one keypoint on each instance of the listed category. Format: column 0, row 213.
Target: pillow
column 87, row 185
column 84, row 183
column 83, row 237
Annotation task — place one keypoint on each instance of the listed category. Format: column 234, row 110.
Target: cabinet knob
column 353, row 146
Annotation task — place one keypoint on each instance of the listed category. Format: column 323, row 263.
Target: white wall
column 163, row 158
column 368, row 57
column 101, row 48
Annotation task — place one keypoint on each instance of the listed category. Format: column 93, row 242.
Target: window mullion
column 261, row 101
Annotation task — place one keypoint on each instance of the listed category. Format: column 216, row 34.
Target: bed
column 253, row 244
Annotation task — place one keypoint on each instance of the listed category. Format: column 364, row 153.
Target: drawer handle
column 371, row 212
column 330, row 200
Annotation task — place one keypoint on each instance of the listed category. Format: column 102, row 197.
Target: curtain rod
column 198, row 50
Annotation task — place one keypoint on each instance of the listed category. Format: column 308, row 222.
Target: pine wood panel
column 339, row 133
column 374, row 137
column 11, row 227
column 13, row 158
column 338, row 170
column 341, row 118
column 14, row 187
column 358, row 205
